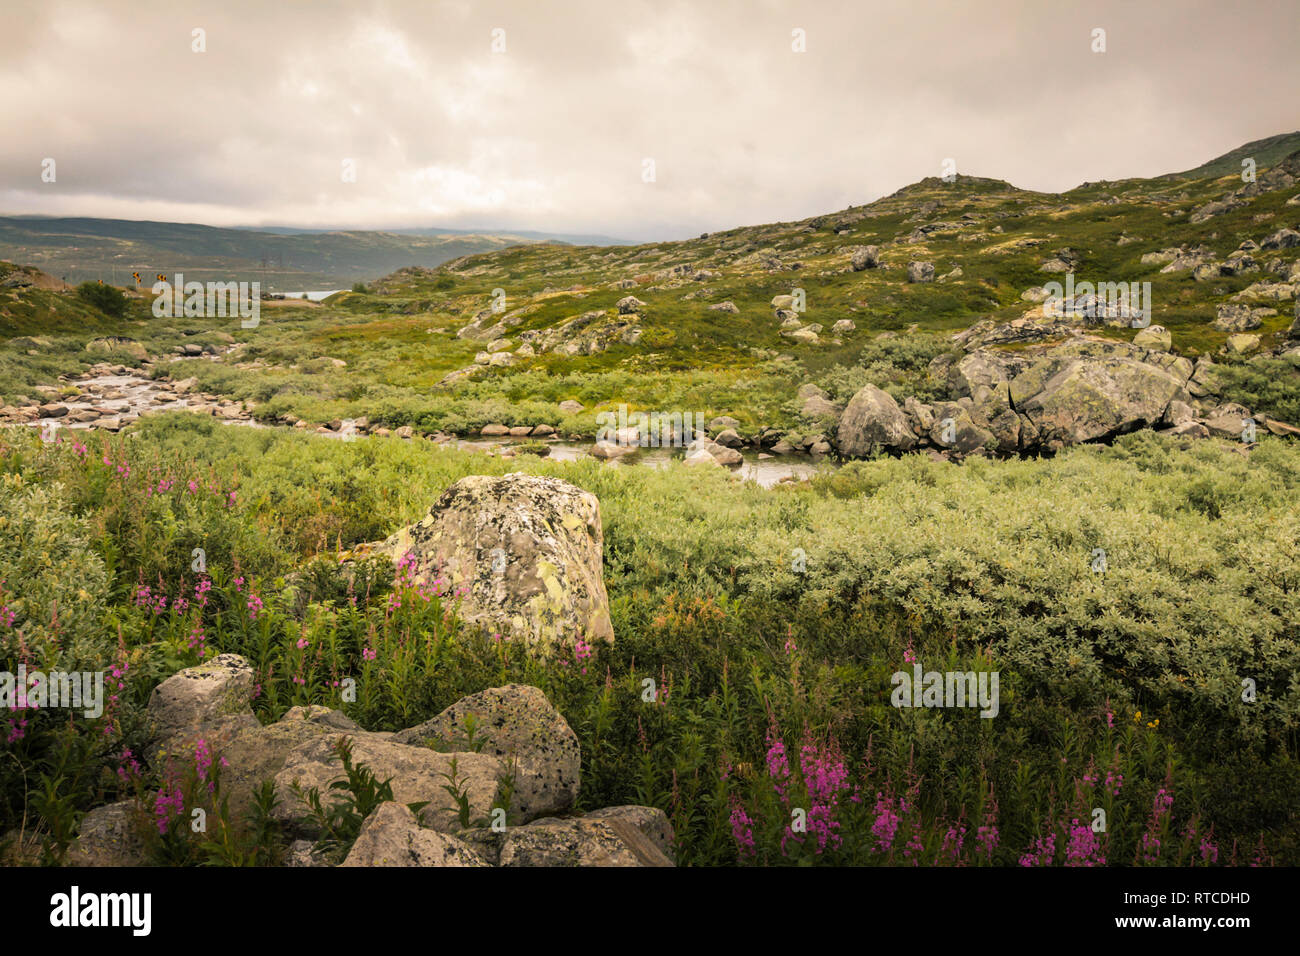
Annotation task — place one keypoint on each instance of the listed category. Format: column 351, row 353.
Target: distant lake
column 312, row 296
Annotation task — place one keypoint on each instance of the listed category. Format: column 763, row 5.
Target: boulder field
column 524, row 555
column 519, row 738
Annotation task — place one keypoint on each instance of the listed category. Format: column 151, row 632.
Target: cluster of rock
column 517, row 737
column 793, row 328
column 526, row 553
column 590, row 333
column 110, row 397
column 1062, row 387
column 1281, row 175
column 1046, row 397
column 1205, row 266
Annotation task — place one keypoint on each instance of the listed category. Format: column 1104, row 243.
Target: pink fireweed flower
column 778, row 767
column 129, row 769
column 582, row 651
column 303, row 643
column 953, row 840
column 1161, row 807
column 826, row 779
column 203, row 764
column 1041, row 852
column 886, row 825
column 198, row 640
column 986, row 841
column 742, row 830
column 1083, row 848
column 17, row 729
column 1209, row 850
column 168, row 805
column 368, row 654
column 915, row 846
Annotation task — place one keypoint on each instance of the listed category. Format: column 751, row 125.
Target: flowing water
column 125, row 397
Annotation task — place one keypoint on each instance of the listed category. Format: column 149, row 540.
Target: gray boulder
column 528, row 549
column 920, row 272
column 611, row 840
column 518, row 725
column 1091, row 399
column 873, row 420
column 1235, row 317
column 418, row 774
column 109, row 837
column 865, row 257
column 391, row 836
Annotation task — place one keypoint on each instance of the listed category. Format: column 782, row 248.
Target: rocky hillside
column 971, row 256
column 969, row 317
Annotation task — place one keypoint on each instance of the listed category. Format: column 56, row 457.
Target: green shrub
column 108, row 299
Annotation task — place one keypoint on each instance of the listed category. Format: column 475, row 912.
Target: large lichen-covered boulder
column 391, row 836
column 418, row 774
column 865, row 257
column 517, row 724
column 873, row 420
column 920, row 272
column 527, row 550
column 1091, row 399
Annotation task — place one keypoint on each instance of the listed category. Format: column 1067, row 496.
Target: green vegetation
column 106, row 298
column 1136, row 672
column 1164, row 672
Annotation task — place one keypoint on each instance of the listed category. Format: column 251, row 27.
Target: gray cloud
column 551, row 134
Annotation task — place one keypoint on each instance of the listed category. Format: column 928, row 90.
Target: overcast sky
column 552, row 134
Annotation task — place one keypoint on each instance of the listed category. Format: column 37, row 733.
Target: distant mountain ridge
column 284, row 259
column 287, row 258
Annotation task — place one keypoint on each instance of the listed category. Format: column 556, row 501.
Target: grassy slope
column 399, row 341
